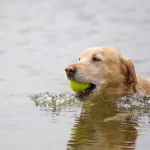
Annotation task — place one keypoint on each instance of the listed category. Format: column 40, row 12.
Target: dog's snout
column 70, row 70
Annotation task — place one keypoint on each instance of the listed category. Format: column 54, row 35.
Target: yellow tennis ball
column 78, row 86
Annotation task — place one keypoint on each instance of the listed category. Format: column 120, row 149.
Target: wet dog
column 110, row 75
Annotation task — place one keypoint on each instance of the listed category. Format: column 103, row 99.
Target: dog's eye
column 96, row 59
column 79, row 58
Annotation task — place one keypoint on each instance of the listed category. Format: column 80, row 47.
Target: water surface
column 37, row 40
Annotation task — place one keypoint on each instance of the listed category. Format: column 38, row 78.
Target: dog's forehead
column 106, row 52
column 90, row 52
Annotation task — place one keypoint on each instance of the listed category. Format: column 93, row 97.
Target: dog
column 109, row 73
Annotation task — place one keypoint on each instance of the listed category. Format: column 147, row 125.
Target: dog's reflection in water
column 92, row 130
column 101, row 126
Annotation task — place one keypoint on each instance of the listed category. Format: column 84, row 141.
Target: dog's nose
column 70, row 70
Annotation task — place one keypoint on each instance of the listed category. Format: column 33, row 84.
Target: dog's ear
column 130, row 71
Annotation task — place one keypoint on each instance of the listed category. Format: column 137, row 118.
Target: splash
column 54, row 102
column 134, row 101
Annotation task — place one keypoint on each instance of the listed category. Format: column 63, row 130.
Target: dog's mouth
column 86, row 92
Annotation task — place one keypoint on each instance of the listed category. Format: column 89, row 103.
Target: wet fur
column 114, row 76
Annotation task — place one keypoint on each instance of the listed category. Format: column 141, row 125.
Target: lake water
column 38, row 39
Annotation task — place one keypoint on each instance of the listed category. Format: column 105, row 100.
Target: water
column 37, row 40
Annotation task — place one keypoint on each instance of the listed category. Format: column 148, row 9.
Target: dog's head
column 108, row 72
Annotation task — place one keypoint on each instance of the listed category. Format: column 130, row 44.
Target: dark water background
column 38, row 38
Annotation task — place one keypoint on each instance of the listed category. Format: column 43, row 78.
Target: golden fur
column 113, row 74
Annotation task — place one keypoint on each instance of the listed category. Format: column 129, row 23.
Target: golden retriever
column 109, row 73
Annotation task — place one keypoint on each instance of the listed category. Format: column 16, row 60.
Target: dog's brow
column 96, row 55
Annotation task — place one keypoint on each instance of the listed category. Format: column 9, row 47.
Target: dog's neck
column 114, row 91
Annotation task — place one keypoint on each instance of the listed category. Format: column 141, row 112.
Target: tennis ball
column 78, row 86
